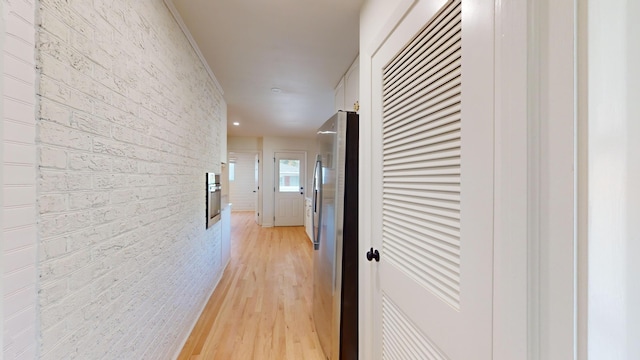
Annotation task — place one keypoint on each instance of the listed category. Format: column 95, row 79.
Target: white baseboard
column 184, row 341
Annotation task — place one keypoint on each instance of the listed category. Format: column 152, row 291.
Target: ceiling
column 302, row 47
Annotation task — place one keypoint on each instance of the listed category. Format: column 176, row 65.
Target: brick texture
column 128, row 124
column 19, row 228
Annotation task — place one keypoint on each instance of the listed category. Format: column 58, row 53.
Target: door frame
column 303, row 171
column 2, row 260
column 258, row 190
column 534, row 237
column 260, row 181
column 553, row 185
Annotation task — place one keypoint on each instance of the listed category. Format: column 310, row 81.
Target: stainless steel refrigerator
column 335, row 237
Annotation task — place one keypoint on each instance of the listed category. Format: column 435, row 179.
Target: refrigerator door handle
column 317, row 202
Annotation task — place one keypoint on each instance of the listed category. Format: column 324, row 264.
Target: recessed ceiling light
column 235, row 123
column 276, row 90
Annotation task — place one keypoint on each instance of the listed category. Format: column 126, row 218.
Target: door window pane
column 289, row 175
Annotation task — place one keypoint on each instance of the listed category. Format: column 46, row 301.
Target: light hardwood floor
column 261, row 308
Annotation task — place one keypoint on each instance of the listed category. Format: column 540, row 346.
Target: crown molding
column 176, row 15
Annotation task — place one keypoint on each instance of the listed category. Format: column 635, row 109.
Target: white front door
column 289, row 188
column 432, row 183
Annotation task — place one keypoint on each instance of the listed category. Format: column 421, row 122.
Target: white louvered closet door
column 432, row 116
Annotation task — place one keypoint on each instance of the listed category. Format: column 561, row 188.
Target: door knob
column 373, row 254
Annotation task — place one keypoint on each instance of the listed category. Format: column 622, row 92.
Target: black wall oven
column 214, row 199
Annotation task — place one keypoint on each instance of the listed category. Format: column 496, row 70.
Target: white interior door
column 289, row 188
column 256, row 189
column 432, row 191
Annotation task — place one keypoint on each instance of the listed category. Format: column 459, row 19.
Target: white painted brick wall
column 241, row 193
column 2, row 226
column 19, row 233
column 129, row 122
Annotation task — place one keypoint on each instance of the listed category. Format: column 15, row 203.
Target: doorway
column 290, row 170
column 244, row 182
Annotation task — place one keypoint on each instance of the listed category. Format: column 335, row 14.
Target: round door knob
column 373, row 254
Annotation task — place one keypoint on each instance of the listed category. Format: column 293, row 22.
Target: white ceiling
column 302, row 47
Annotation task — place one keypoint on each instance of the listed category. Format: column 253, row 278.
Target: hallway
column 262, row 307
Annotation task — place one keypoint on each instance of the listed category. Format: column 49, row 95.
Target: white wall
column 613, row 179
column 129, row 122
column 19, row 232
column 244, row 143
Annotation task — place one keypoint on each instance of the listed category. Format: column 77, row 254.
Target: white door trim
column 582, row 192
column 258, row 215
column 3, row 19
column 535, row 181
column 510, row 188
column 396, row 17
column 552, row 177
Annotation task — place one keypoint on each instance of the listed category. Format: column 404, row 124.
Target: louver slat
column 440, row 249
column 421, row 43
column 424, row 115
column 401, row 339
column 444, row 138
column 434, row 204
column 441, row 64
column 441, row 95
column 421, row 163
column 413, row 210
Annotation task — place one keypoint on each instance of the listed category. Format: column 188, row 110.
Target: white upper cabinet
column 352, row 87
column 347, row 92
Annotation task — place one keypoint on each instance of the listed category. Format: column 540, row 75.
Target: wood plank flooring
column 261, row 308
